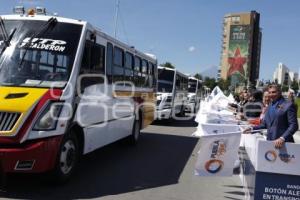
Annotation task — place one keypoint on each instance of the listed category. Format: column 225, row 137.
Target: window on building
column 235, row 19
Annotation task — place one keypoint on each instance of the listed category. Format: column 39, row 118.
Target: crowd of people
column 269, row 110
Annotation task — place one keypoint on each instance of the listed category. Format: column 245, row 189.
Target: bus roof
column 193, row 78
column 166, row 68
column 173, row 69
column 152, row 58
column 43, row 18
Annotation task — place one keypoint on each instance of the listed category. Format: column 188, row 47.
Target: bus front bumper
column 163, row 114
column 34, row 157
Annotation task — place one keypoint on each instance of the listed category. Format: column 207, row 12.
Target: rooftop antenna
column 116, row 17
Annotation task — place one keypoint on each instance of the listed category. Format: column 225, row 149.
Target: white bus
column 67, row 89
column 194, row 95
column 171, row 93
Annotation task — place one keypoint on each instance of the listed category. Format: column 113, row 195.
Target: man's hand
column 279, row 143
column 247, row 130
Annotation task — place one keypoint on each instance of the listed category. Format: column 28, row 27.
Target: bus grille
column 8, row 120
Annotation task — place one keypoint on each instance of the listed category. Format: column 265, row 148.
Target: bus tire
column 136, row 130
column 67, row 159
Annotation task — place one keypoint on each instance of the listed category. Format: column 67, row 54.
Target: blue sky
column 186, row 33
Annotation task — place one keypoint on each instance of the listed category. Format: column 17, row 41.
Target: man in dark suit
column 280, row 118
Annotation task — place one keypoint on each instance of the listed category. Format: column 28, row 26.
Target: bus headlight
column 47, row 120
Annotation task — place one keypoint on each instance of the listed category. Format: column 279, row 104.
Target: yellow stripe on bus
column 149, row 104
column 18, row 100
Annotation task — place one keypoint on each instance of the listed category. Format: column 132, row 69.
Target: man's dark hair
column 276, row 86
column 257, row 95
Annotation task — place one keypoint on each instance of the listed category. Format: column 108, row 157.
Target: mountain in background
column 211, row 72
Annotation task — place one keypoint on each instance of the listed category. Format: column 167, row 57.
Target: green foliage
column 168, row 64
column 297, row 101
column 224, row 84
column 210, row 82
column 284, row 88
column 295, row 86
column 198, row 76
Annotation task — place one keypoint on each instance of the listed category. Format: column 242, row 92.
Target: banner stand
column 269, row 173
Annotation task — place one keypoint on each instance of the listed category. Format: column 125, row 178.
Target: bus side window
column 129, row 67
column 186, row 83
column 118, row 65
column 145, row 82
column 155, row 75
column 85, row 62
column 177, row 82
column 97, row 58
column 151, row 74
column 199, row 88
column 92, row 63
column 182, row 83
column 199, row 85
column 137, row 71
column 109, row 62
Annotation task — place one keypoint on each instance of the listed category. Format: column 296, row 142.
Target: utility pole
column 116, row 18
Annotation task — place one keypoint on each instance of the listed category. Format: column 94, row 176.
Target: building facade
column 241, row 47
column 293, row 76
column 282, row 75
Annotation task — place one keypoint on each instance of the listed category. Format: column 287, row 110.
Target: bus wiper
column 50, row 23
column 7, row 38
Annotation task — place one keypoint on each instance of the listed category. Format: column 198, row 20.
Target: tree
column 210, row 82
column 224, row 84
column 284, row 88
column 295, row 86
column 198, row 76
column 168, row 64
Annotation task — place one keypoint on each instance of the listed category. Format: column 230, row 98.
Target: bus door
column 95, row 100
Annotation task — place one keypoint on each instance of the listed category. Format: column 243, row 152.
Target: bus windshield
column 192, row 86
column 165, row 80
column 36, row 57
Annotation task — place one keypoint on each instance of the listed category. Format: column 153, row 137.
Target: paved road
column 160, row 167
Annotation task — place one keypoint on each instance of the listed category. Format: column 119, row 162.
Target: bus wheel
column 67, row 160
column 134, row 137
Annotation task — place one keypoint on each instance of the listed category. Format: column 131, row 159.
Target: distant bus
column 67, row 89
column 194, row 95
column 171, row 94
